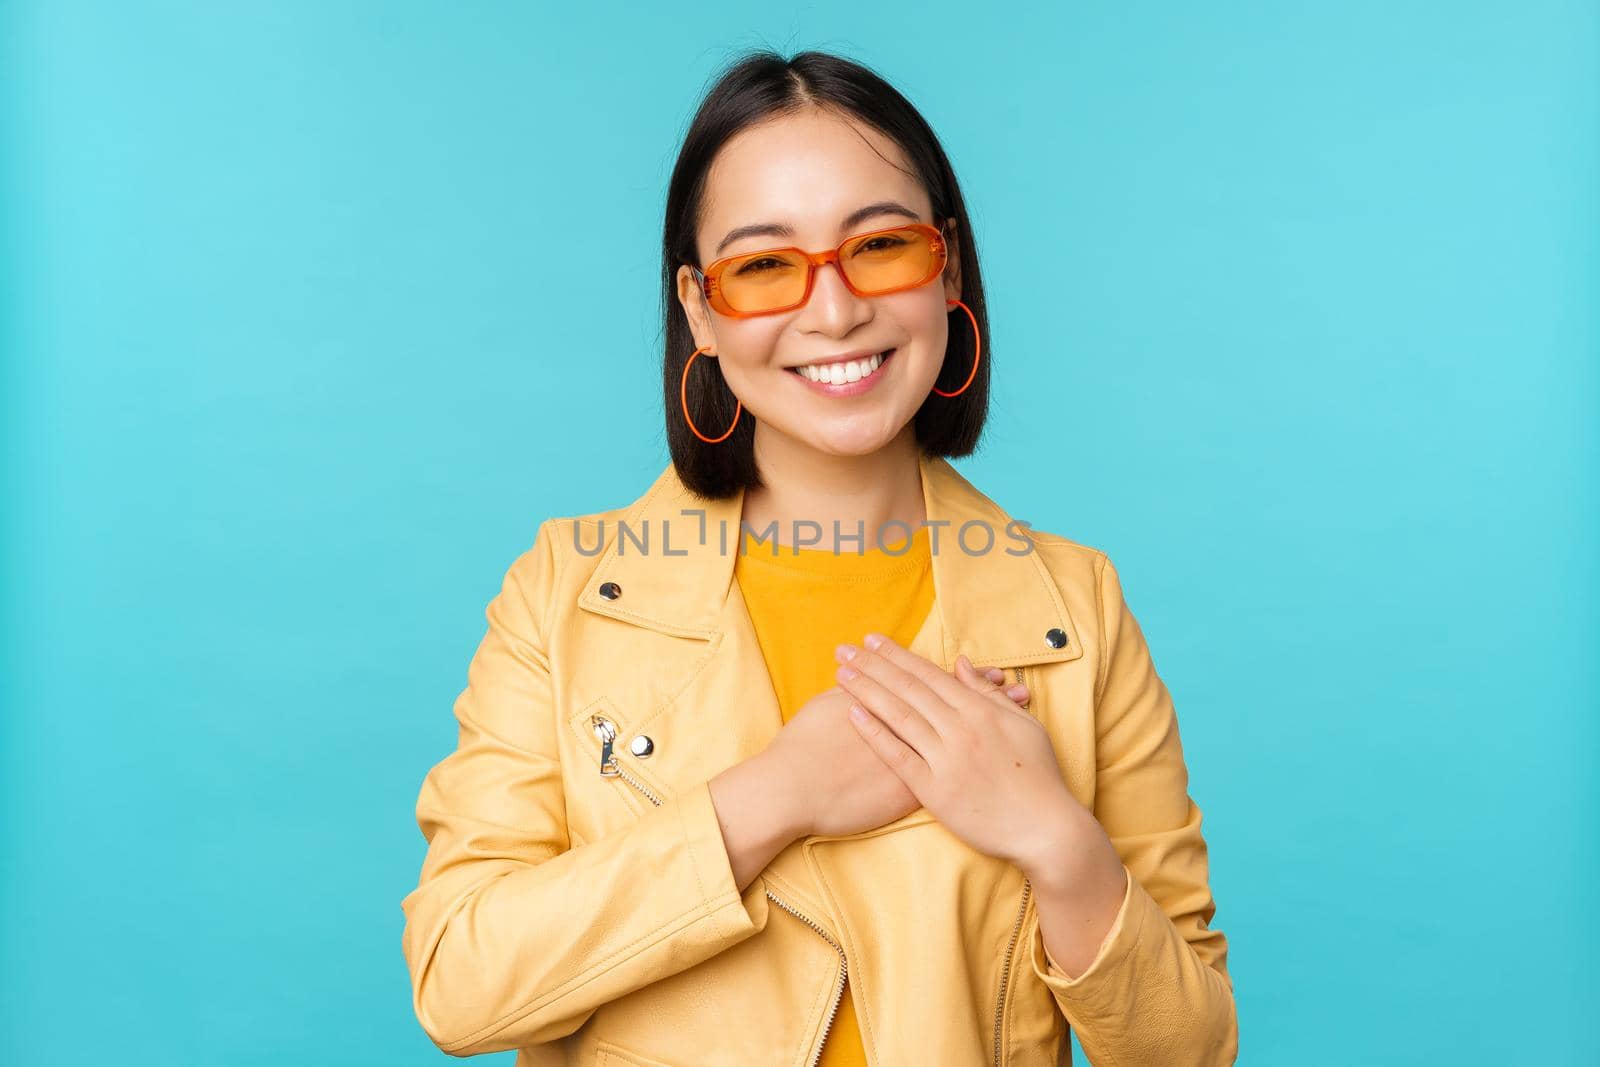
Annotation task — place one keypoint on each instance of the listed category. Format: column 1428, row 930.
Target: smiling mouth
column 844, row 372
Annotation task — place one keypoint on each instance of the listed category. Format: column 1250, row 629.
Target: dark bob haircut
column 758, row 87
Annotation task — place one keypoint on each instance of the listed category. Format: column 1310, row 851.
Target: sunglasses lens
column 875, row 263
column 891, row 260
column 764, row 281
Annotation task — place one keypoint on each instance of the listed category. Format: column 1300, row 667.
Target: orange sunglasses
column 780, row 279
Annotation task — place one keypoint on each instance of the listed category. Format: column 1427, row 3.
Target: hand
column 985, row 769
column 838, row 782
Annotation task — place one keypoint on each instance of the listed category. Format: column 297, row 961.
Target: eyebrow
column 850, row 221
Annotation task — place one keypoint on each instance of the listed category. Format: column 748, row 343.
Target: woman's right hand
column 835, row 783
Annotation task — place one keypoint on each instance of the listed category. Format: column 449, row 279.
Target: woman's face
column 810, row 172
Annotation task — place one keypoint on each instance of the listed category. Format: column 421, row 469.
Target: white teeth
column 840, row 373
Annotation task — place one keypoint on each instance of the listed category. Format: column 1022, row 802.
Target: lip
column 854, row 388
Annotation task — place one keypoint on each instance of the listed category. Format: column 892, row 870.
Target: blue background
column 1294, row 314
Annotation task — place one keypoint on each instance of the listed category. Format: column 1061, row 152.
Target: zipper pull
column 606, row 731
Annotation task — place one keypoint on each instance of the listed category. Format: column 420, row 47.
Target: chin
column 848, row 443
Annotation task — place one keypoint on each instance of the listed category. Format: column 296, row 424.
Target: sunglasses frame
column 711, row 277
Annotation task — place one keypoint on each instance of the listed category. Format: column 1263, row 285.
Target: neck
column 860, row 493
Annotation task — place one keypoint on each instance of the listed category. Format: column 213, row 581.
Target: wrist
column 1066, row 849
column 772, row 789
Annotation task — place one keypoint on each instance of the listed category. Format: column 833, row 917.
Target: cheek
column 746, row 347
column 926, row 326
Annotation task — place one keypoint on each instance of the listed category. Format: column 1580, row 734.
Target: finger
column 896, row 713
column 911, row 689
column 930, row 674
column 978, row 679
column 899, row 757
column 980, row 682
column 983, row 680
column 994, row 675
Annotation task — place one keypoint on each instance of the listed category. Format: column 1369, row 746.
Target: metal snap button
column 1055, row 637
column 641, row 746
column 610, row 590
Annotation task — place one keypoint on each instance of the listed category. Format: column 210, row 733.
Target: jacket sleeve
column 1158, row 991
column 512, row 936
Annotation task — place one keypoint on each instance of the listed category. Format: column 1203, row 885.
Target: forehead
column 808, row 171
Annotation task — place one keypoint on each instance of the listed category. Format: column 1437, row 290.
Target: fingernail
column 844, row 674
column 995, row 674
column 844, row 652
column 872, row 641
column 1017, row 690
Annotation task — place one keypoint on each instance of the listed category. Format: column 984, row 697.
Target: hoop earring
column 683, row 393
column 977, row 349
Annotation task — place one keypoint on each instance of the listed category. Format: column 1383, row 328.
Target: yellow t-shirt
column 804, row 604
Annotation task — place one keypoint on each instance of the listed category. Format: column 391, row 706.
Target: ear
column 952, row 265
column 693, row 302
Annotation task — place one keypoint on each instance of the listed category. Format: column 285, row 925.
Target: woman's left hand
column 983, row 767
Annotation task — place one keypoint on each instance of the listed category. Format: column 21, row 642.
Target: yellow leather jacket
column 577, row 902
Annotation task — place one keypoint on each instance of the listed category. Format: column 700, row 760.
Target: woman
column 729, row 787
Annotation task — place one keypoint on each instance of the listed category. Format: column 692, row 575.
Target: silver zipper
column 1005, row 970
column 843, row 971
column 606, row 731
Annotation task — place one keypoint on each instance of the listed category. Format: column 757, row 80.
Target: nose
column 833, row 309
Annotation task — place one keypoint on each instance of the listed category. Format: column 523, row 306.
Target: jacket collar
column 672, row 555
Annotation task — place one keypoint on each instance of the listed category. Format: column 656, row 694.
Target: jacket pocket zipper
column 1005, row 970
column 606, row 731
